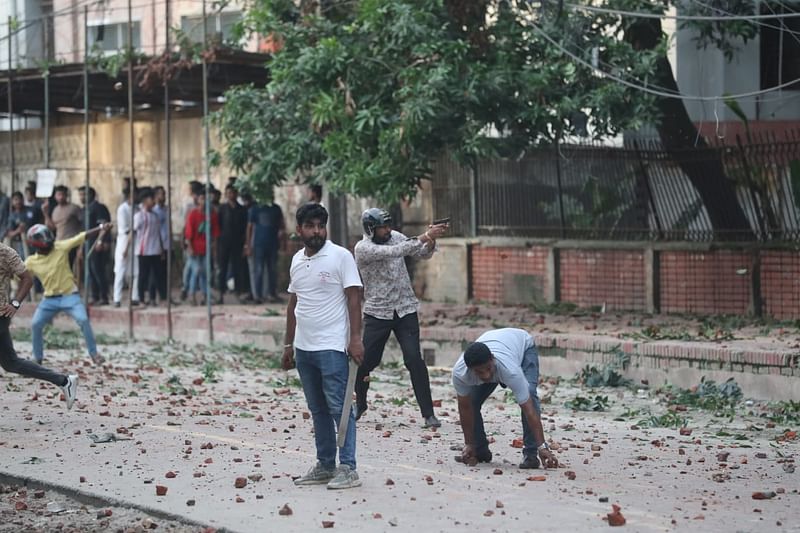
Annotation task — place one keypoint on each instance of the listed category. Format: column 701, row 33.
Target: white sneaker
column 71, row 390
column 345, row 478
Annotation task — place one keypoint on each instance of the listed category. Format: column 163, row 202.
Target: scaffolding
column 102, row 68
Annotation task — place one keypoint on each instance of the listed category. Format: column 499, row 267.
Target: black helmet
column 40, row 237
column 373, row 218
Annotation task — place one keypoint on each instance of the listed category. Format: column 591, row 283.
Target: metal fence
column 636, row 192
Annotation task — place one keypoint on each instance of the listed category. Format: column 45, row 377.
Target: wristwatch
column 15, row 304
column 543, row 446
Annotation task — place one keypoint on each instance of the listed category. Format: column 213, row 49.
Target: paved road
column 254, row 422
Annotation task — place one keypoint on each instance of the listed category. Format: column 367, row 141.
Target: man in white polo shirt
column 323, row 327
column 506, row 357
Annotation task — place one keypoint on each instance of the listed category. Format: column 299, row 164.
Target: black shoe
column 484, row 456
column 432, row 422
column 360, row 410
column 530, row 462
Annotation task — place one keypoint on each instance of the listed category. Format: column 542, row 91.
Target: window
column 113, row 37
column 780, row 45
column 220, row 26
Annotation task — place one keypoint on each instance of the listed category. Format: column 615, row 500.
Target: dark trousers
column 406, row 331
column 230, row 259
column 11, row 363
column 161, row 277
column 265, row 257
column 149, row 266
column 98, row 277
column 479, row 394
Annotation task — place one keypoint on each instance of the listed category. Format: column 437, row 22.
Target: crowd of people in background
column 246, row 236
column 342, row 305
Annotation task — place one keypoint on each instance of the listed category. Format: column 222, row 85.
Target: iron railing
column 636, row 192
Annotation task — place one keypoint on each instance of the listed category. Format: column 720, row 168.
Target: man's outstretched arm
column 466, row 415
column 535, row 424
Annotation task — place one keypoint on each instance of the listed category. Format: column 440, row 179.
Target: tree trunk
column 678, row 134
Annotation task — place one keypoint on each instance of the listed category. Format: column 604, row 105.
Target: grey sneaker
column 98, row 359
column 319, row 475
column 71, row 390
column 346, row 478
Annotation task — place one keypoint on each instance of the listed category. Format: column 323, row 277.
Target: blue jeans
column 197, row 274
column 324, row 378
column 49, row 307
column 530, row 367
column 186, row 277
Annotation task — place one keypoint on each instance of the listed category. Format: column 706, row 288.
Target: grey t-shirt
column 508, row 346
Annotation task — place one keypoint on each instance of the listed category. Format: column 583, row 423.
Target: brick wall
column 780, row 283
column 491, row 267
column 705, row 282
column 595, row 277
column 702, row 282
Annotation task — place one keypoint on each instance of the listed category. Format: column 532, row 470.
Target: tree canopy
column 364, row 95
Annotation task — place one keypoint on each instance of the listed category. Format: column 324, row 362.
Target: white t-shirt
column 319, row 281
column 508, row 346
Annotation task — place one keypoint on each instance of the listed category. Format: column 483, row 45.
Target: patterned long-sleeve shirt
column 148, row 233
column 387, row 286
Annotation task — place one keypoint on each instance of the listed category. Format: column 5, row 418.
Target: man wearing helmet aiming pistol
column 390, row 304
column 50, row 264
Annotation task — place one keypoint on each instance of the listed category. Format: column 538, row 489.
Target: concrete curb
column 762, row 372
column 96, row 500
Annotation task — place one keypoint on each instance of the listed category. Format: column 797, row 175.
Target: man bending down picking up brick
column 505, row 357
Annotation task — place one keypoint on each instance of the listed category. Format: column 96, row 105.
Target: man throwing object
column 11, row 266
column 506, row 357
column 50, row 264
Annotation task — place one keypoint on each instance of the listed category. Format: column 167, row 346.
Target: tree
column 365, row 94
column 365, row 100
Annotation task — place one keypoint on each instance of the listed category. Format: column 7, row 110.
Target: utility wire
column 648, row 15
column 781, row 28
column 656, row 92
column 28, row 23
